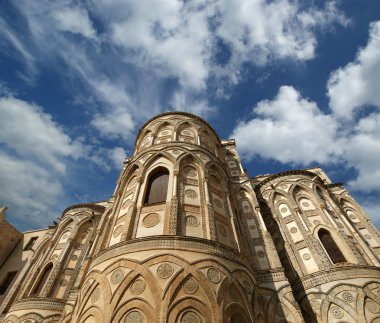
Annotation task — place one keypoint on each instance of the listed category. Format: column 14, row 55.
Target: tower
column 188, row 236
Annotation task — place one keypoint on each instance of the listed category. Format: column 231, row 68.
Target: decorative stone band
column 172, row 243
column 271, row 276
column 341, row 273
column 39, row 303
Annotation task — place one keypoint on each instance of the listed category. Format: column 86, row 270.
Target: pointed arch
column 331, row 247
column 42, row 279
column 157, row 186
column 186, row 132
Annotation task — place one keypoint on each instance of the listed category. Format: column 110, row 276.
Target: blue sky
column 296, row 83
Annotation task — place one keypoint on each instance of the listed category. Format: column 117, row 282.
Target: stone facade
column 188, row 237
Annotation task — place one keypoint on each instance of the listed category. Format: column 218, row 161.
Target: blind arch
column 43, row 279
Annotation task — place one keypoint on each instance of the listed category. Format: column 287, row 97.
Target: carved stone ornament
column 117, row 276
column 372, row 307
column 247, row 286
column 134, row 317
column 283, row 186
column 190, row 286
column 336, row 312
column 315, row 305
column 305, row 204
column 151, row 220
column 213, row 275
column 367, row 237
column 284, row 210
column 165, row 271
column 306, row 256
column 190, row 172
column 63, row 282
column 137, row 287
column 191, row 194
column 191, row 317
column 294, row 230
column 192, row 221
column 117, row 231
column 316, row 222
column 260, row 254
column 95, row 295
column 176, row 152
column 65, row 236
column 348, row 297
column 74, row 257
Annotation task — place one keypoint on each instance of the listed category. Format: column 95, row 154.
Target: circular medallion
column 203, row 157
column 134, row 317
column 55, row 256
column 305, row 204
column 63, row 282
column 117, row 276
column 190, row 317
column 231, row 164
column 165, row 270
column 191, row 194
column 260, row 254
column 126, row 204
column 306, row 256
column 283, row 186
column 336, row 312
column 347, row 297
column 190, row 286
column 284, row 210
column 372, row 307
column 218, row 204
column 367, row 237
column 247, row 208
column 65, row 236
column 192, row 221
column 74, row 257
column 95, row 295
column 151, row 220
column 165, row 133
column 137, row 287
column 294, row 230
column 176, row 151
column 213, row 275
column 222, row 230
column 187, row 133
column 316, row 222
column 117, row 231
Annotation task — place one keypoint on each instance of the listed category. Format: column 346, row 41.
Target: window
column 157, row 187
column 30, row 244
column 7, row 281
column 332, row 249
column 43, row 279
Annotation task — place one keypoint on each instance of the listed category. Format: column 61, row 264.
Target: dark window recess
column 30, row 244
column 157, row 187
column 7, row 281
column 331, row 247
column 43, row 279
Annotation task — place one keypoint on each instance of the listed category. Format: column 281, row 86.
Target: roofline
column 188, row 114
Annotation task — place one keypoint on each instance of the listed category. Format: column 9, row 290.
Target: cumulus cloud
column 74, row 20
column 30, row 132
column 356, row 85
column 289, row 129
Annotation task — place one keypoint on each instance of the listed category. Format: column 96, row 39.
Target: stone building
column 188, row 237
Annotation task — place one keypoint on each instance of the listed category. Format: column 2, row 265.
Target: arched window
column 43, row 279
column 157, row 187
column 331, row 248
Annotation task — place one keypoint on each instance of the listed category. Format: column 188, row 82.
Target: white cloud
column 30, row 132
column 372, row 208
column 74, row 20
column 30, row 190
column 357, row 84
column 117, row 155
column 289, row 129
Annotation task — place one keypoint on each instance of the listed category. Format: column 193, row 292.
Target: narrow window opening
column 157, row 187
column 331, row 247
column 7, row 281
column 30, row 244
column 43, row 278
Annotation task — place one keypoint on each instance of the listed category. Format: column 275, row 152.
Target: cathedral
column 189, row 237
